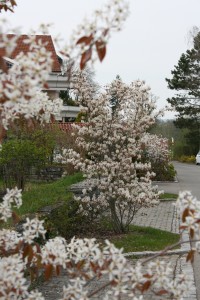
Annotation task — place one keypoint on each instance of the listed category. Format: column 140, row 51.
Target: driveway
column 188, row 176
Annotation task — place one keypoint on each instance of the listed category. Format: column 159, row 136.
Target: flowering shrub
column 113, row 140
column 158, row 154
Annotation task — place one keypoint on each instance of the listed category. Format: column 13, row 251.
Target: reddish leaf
column 162, row 292
column 52, row 118
column 45, row 85
column 15, row 217
column 80, row 264
column 185, row 214
column 32, row 275
column 147, row 275
column 2, row 133
column 26, row 250
column 3, row 65
column 183, row 227
column 38, row 262
column 48, row 271
column 86, row 56
column 94, row 266
column 85, row 39
column 13, row 3
column 38, row 248
column 105, row 32
column 191, row 233
column 58, row 268
column 146, row 286
column 101, row 49
column 30, row 254
column 190, row 256
column 64, row 53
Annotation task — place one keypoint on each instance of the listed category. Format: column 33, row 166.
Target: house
column 57, row 81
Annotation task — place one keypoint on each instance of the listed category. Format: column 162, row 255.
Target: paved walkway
column 163, row 216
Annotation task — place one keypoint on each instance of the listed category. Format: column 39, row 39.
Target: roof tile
column 22, row 47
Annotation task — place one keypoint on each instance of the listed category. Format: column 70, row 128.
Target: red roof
column 66, row 126
column 47, row 39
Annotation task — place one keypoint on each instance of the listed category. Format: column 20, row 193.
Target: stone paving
column 164, row 217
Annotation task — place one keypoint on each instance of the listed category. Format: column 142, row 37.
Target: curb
column 152, row 253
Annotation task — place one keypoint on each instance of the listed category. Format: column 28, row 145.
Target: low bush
column 66, row 221
column 187, row 159
column 164, row 171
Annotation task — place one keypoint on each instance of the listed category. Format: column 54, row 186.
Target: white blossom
column 32, row 229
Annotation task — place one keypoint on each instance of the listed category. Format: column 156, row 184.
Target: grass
column 145, row 239
column 168, row 196
column 38, row 195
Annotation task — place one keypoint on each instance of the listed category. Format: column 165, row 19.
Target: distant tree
column 114, row 100
column 186, row 81
column 67, row 99
column 181, row 137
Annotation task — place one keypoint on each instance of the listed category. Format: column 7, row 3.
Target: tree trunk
column 117, row 225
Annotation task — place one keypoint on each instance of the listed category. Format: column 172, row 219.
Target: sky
column 150, row 44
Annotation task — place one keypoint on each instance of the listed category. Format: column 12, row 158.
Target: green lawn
column 39, row 195
column 145, row 239
column 169, row 196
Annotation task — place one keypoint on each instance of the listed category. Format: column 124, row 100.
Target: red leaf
column 45, row 85
column 26, row 250
column 30, row 254
column 13, row 3
column 52, row 118
column 86, row 56
column 58, row 270
column 3, row 65
column 190, row 256
column 48, row 271
column 15, row 217
column 185, row 214
column 147, row 275
column 191, row 233
column 101, row 49
column 161, row 292
column 85, row 39
column 146, row 286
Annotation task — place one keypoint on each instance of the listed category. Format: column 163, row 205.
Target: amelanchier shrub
column 82, row 259
column 113, row 140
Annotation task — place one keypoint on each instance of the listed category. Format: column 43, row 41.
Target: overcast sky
column 153, row 38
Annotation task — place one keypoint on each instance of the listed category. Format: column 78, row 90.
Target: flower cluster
column 7, row 5
column 21, row 85
column 95, row 33
column 156, row 147
column 12, row 197
column 33, row 229
column 189, row 208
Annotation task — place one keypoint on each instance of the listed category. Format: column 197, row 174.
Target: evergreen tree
column 186, row 81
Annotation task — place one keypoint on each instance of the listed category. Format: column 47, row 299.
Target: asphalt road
column 188, row 178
